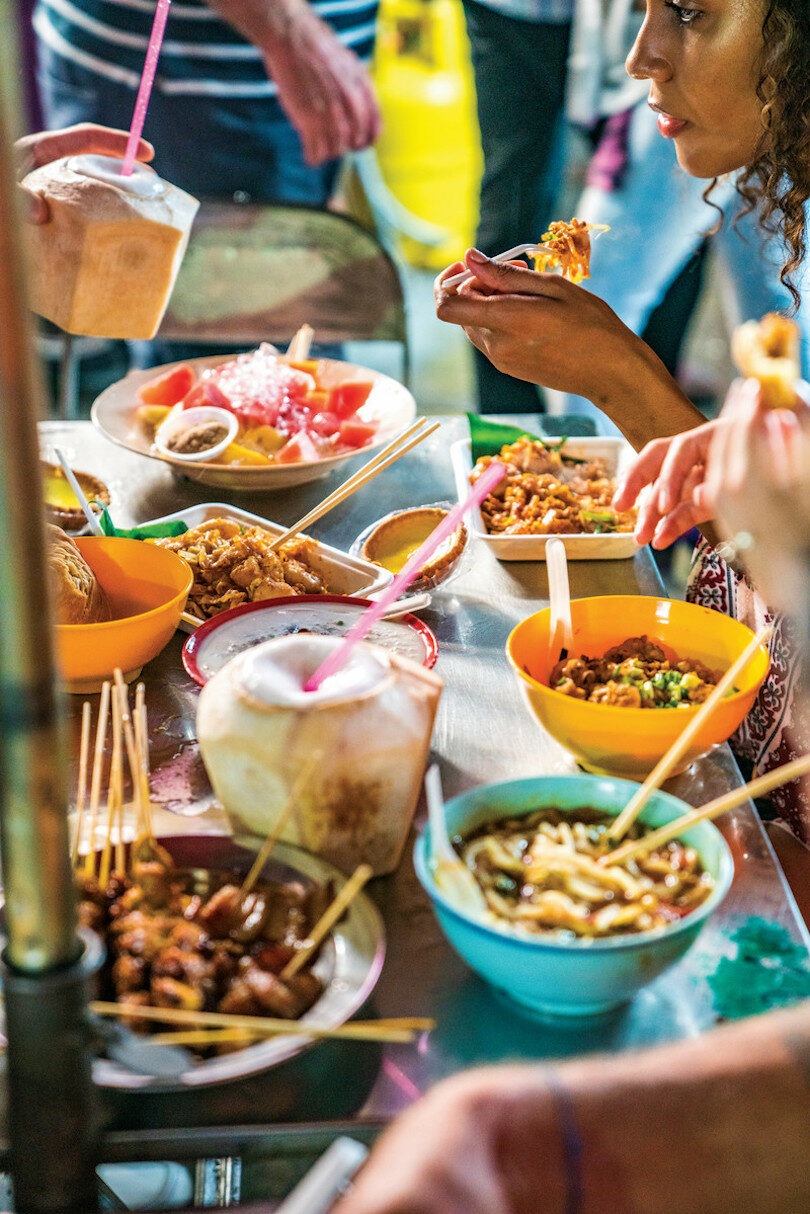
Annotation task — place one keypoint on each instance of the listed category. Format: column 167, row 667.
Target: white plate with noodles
column 563, row 935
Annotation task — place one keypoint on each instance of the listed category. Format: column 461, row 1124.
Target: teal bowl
column 577, row 978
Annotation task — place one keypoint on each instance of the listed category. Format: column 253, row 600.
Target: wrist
column 641, row 396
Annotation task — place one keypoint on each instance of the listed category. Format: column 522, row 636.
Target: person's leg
column 520, row 69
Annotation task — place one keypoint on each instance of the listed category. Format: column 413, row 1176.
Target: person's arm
column 709, row 1126
column 324, row 89
column 542, row 328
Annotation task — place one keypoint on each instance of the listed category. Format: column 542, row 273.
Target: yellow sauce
column 397, row 544
column 58, row 493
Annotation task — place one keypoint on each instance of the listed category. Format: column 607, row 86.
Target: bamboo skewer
column 684, row 740
column 95, row 781
column 389, row 455
column 272, row 839
column 327, row 920
column 81, row 791
column 267, row 1026
column 730, row 800
column 142, row 744
column 133, row 756
column 114, row 794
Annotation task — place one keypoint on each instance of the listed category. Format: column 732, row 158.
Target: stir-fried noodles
column 541, row 873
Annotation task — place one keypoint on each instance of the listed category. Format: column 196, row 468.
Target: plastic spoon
column 89, row 513
column 561, row 630
column 326, row 1179
column 451, row 875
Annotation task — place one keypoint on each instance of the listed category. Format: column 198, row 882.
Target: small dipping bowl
column 147, row 587
column 628, row 742
column 574, row 977
column 182, row 420
column 61, row 504
column 394, row 539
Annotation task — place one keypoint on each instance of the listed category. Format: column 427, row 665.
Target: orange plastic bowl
column 628, row 742
column 148, row 588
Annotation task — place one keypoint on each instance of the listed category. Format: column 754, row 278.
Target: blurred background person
column 519, row 54
column 256, row 98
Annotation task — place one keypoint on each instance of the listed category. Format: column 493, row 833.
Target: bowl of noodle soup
column 563, row 934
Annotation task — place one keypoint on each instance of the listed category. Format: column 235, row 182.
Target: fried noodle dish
column 567, row 246
column 541, row 874
column 234, row 564
column 169, row 946
column 546, row 492
column 635, row 674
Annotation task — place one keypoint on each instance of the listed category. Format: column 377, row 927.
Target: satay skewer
column 243, row 1036
column 81, row 790
column 327, row 920
column 114, row 794
column 267, row 1026
column 281, row 821
column 142, row 743
column 95, row 780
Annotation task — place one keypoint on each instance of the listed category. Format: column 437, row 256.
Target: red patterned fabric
column 774, row 731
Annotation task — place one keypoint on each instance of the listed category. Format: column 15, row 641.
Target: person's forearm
column 265, row 23
column 641, row 397
column 710, row 1126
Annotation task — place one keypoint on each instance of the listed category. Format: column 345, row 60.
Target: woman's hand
column 758, row 485
column 668, row 480
column 86, row 138
column 482, row 1143
column 544, row 329
column 537, row 327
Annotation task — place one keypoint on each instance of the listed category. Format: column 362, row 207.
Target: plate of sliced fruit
column 297, row 420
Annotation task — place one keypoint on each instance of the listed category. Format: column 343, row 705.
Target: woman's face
column 701, row 58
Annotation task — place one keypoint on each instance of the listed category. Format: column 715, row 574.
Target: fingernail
column 476, row 255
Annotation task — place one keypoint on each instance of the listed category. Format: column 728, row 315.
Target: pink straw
column 402, row 581
column 145, row 90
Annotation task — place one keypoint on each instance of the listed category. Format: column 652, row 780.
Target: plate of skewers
column 233, row 956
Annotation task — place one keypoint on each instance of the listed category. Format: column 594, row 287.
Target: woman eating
column 730, row 81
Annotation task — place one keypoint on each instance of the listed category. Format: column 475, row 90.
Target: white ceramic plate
column 349, row 965
column 343, row 574
column 618, row 546
column 389, row 403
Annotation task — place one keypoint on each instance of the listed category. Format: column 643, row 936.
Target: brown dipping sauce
column 197, row 438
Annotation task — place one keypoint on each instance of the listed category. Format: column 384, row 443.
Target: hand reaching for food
column 86, row 138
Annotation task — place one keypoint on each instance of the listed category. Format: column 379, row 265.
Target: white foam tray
column 618, row 546
column 343, row 574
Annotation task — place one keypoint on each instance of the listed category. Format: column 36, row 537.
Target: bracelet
column 571, row 1141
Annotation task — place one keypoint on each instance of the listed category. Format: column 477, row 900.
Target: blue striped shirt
column 201, row 53
column 552, row 12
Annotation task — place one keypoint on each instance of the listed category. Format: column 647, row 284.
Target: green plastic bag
column 156, row 531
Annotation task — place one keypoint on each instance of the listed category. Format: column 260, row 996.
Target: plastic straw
column 145, row 89
column 485, row 483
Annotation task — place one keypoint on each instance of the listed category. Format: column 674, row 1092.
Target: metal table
column 483, row 733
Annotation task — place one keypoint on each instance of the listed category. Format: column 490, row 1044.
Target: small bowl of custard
column 391, row 542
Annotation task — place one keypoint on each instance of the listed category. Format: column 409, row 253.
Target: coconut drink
column 371, row 722
column 105, row 263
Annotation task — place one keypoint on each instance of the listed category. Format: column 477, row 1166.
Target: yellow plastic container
column 147, row 587
column 429, row 151
column 628, row 742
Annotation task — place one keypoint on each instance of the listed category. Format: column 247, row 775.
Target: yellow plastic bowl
column 148, row 588
column 628, row 742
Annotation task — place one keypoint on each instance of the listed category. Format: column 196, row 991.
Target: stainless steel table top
column 483, row 733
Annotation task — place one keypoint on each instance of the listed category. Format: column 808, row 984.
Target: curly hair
column 777, row 182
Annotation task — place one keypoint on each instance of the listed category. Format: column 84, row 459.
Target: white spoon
column 451, row 875
column 561, row 630
column 520, row 250
column 326, row 1179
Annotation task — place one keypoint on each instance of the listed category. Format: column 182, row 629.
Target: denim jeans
column 658, row 220
column 520, row 71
